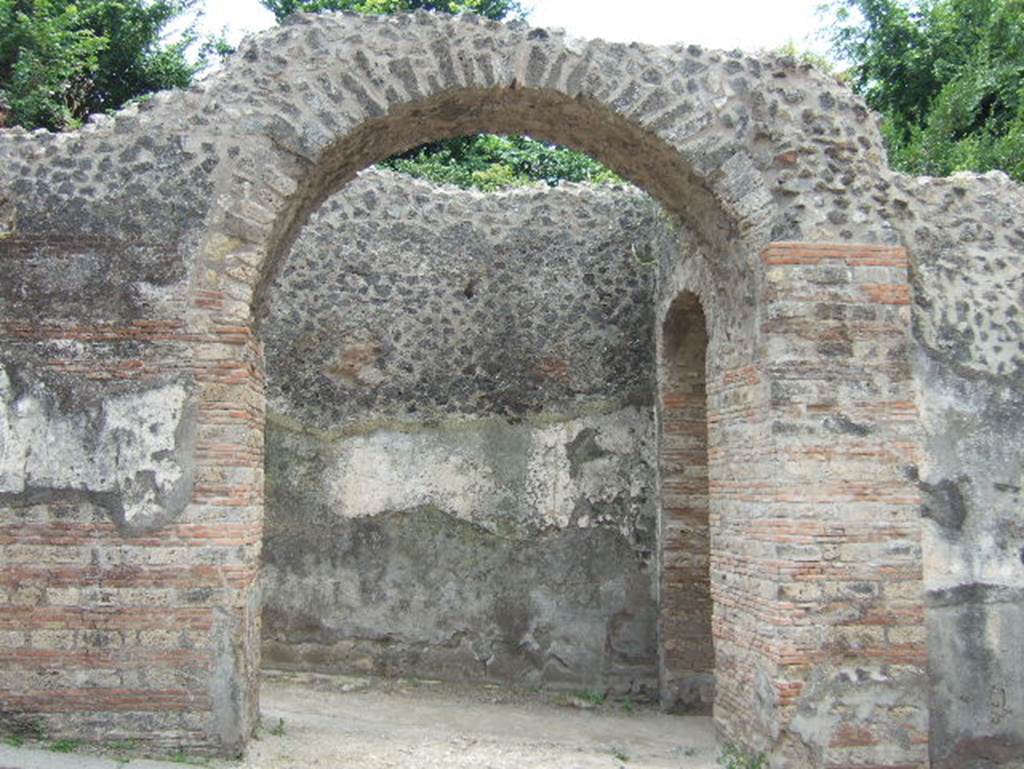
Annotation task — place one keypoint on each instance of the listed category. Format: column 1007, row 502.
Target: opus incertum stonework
column 748, row 441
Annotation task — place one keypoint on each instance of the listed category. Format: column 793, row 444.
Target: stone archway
column 815, row 567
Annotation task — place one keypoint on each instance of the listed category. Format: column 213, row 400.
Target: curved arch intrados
column 583, row 124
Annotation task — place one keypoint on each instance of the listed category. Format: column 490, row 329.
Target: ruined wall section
column 124, row 575
column 102, row 224
column 966, row 242
column 98, row 231
column 814, row 524
column 460, row 436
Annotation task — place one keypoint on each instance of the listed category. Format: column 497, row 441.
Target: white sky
column 747, row 24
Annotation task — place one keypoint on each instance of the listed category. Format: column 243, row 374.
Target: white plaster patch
column 482, row 469
column 126, row 445
column 550, row 489
column 390, row 470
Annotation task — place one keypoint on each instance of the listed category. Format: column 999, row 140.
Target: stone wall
column 124, row 566
column 138, row 253
column 460, row 439
column 964, row 259
column 966, row 241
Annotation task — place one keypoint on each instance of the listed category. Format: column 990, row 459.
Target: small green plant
column 64, row 746
column 626, row 703
column 120, row 746
column 17, row 731
column 619, row 755
column 737, row 757
column 811, row 59
column 591, row 696
column 278, row 729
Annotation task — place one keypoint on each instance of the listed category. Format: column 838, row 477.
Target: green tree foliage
column 489, row 162
column 61, row 61
column 948, row 75
column 485, row 162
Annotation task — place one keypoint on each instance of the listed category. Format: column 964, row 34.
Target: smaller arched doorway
column 687, row 657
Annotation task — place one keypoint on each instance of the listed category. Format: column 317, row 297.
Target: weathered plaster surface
column 479, row 468
column 490, row 552
column 128, row 453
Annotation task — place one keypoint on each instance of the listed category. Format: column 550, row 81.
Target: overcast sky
column 747, row 24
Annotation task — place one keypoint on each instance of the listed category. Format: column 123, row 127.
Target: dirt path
column 337, row 723
column 329, row 722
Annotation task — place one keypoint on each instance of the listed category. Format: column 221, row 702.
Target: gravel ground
column 343, row 723
column 331, row 722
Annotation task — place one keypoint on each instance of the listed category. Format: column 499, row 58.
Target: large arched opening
column 712, row 235
column 659, row 127
column 460, row 438
column 649, row 126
